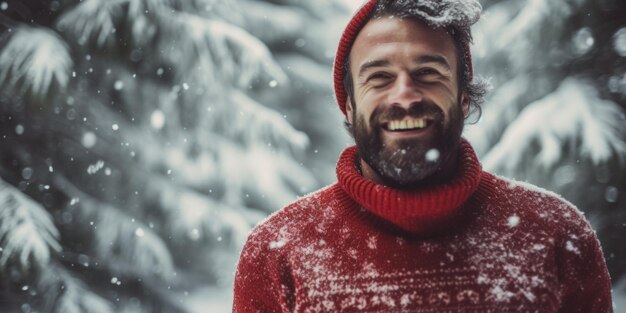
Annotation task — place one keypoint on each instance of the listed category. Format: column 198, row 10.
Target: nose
column 405, row 93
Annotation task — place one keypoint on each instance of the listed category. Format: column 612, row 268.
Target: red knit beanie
column 358, row 21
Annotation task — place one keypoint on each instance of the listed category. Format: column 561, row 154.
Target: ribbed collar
column 419, row 210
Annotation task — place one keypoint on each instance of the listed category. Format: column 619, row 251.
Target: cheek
column 446, row 95
column 360, row 118
column 367, row 105
column 449, row 102
column 360, row 106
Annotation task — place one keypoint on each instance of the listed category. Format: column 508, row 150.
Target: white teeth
column 410, row 124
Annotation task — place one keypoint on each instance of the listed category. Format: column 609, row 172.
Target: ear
column 465, row 104
column 349, row 110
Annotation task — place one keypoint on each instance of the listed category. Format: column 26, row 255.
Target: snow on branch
column 128, row 245
column 284, row 24
column 499, row 113
column 33, row 59
column 318, row 8
column 276, row 183
column 147, row 18
column 279, row 175
column 527, row 21
column 306, row 71
column 232, row 52
column 120, row 241
column 538, row 22
column 573, row 114
column 223, row 9
column 237, row 170
column 63, row 293
column 255, row 123
column 196, row 217
column 92, row 19
column 27, row 233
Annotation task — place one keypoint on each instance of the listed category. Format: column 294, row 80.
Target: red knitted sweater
column 479, row 243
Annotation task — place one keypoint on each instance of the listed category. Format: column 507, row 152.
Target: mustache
column 381, row 114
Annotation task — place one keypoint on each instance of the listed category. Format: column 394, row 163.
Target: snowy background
column 140, row 140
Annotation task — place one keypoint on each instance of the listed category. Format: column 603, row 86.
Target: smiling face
column 408, row 114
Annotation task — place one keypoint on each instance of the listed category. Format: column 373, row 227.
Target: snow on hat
column 463, row 13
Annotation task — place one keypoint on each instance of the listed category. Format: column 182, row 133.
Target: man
column 413, row 223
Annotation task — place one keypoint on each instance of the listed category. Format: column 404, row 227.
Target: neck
column 442, row 174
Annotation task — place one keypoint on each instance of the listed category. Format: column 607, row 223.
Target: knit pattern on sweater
column 511, row 248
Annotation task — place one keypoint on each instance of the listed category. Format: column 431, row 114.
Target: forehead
column 386, row 37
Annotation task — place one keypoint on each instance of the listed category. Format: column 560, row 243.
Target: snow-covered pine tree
column 141, row 139
column 556, row 114
column 303, row 37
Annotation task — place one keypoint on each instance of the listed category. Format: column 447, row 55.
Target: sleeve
column 585, row 281
column 263, row 280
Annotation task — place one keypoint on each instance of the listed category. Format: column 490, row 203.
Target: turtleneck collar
column 419, row 210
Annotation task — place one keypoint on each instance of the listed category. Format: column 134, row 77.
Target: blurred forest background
column 140, row 140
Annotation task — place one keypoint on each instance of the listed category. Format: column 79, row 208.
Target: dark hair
column 460, row 16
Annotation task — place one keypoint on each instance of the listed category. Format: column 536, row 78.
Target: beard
column 411, row 161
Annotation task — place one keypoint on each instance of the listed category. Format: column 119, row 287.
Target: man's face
column 409, row 113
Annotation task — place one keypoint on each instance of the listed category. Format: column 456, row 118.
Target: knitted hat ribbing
column 357, row 22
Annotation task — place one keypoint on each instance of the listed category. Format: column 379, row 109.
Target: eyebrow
column 430, row 58
column 370, row 64
column 433, row 58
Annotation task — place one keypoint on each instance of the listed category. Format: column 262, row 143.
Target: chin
column 405, row 166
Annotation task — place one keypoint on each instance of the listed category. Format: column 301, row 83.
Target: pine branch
column 34, row 58
column 273, row 24
column 540, row 22
column 214, row 49
column 233, row 54
column 218, row 161
column 171, row 156
column 577, row 115
column 320, row 9
column 227, row 10
column 187, row 214
column 254, row 123
column 279, row 181
column 509, row 100
column 123, row 243
column 63, row 293
column 306, row 72
column 92, row 19
column 7, row 22
column 233, row 126
column 27, row 232
column 194, row 217
column 149, row 18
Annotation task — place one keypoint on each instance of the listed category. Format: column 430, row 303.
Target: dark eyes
column 378, row 76
column 426, row 71
column 421, row 75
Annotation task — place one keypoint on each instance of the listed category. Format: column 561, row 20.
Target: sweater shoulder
column 526, row 190
column 539, row 205
column 287, row 224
